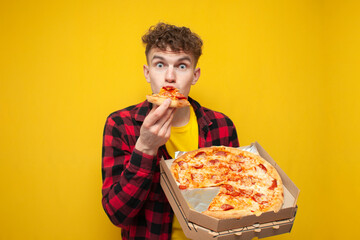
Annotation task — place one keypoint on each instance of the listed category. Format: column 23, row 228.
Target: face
column 168, row 68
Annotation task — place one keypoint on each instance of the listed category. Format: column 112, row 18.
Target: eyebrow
column 179, row 60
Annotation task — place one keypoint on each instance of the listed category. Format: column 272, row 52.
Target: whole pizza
column 248, row 183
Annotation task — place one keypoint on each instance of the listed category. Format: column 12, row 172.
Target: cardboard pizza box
column 201, row 221
column 194, row 231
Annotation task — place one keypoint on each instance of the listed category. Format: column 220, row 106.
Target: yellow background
column 286, row 72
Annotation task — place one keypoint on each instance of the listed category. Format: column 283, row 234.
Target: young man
column 137, row 137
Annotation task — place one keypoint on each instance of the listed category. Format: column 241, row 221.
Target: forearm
column 125, row 194
column 142, row 147
column 129, row 164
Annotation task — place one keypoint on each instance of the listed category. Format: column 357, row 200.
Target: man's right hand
column 156, row 127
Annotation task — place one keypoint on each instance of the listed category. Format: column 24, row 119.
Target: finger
column 166, row 126
column 165, row 105
column 154, row 107
column 158, row 112
column 167, row 118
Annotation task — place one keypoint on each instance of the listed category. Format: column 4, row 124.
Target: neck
column 181, row 117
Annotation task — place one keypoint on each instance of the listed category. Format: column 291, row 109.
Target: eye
column 182, row 66
column 159, row 65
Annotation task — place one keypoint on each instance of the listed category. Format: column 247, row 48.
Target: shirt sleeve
column 126, row 173
column 233, row 137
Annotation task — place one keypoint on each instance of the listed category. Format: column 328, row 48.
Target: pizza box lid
column 291, row 193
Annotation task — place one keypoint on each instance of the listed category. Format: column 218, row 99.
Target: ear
column 196, row 76
column 146, row 72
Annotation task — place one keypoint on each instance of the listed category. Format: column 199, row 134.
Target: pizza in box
column 248, row 183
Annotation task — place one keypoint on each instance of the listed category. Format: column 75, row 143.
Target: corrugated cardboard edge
column 187, row 227
column 226, row 224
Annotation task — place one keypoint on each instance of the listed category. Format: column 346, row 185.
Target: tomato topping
column 218, row 181
column 168, row 88
column 182, row 165
column 214, row 161
column 262, row 167
column 200, row 154
column 198, row 166
column 245, row 193
column 228, row 187
column 179, row 95
column 257, row 197
column 171, row 92
column 274, row 185
column 226, row 207
column 235, row 177
column 221, row 153
column 182, row 187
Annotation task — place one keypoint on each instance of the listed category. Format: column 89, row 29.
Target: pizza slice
column 177, row 99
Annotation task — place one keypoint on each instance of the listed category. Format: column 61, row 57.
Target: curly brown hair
column 176, row 38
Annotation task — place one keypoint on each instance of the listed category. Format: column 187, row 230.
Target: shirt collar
column 202, row 118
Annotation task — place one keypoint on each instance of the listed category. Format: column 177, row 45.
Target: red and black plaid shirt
column 132, row 195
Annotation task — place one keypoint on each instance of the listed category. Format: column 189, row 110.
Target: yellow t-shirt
column 185, row 138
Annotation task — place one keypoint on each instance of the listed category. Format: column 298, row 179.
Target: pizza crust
column 158, row 100
column 228, row 214
column 234, row 213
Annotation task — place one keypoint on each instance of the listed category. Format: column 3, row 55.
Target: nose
column 170, row 75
